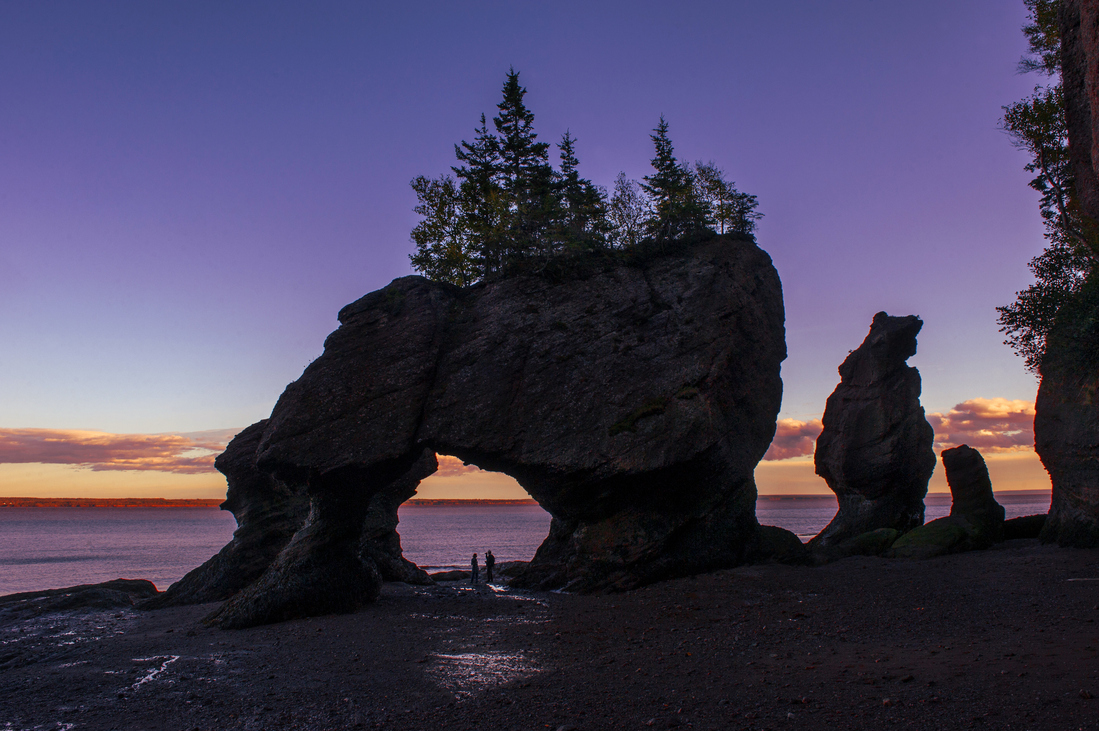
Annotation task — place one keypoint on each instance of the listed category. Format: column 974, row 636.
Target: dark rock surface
column 119, row 593
column 632, row 403
column 319, row 572
column 268, row 514
column 1025, row 526
column 779, row 545
column 1079, row 21
column 380, row 542
column 951, row 534
column 875, row 451
column 1066, row 437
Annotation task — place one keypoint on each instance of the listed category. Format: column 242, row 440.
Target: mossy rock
column 952, row 534
column 871, row 543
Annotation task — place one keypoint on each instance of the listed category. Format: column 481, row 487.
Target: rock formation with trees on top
column 1054, row 324
column 633, row 403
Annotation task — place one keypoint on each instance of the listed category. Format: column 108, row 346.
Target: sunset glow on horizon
column 81, row 463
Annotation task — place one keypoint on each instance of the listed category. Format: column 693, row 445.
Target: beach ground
column 1001, row 639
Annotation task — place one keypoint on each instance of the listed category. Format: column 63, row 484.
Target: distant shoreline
column 108, row 502
column 156, row 502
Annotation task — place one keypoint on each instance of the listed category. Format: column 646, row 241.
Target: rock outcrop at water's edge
column 971, row 492
column 268, row 515
column 875, row 451
column 633, row 403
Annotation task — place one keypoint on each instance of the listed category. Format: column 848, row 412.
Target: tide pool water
column 47, row 548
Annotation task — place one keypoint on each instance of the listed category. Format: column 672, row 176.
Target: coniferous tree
column 584, row 216
column 484, row 203
column 525, row 176
column 508, row 210
column 676, row 210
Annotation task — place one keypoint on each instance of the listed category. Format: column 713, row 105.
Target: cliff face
column 1079, row 21
column 1066, row 437
column 633, row 404
column 875, row 451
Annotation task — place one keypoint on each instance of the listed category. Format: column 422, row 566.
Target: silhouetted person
column 474, row 572
column 490, row 561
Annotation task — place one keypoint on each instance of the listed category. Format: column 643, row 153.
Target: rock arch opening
column 462, row 509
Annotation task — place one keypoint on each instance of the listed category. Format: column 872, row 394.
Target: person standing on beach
column 473, row 571
column 490, row 561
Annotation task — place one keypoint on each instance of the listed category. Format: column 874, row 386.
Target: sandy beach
column 1000, row 639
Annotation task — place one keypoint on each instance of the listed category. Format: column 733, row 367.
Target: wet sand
column 1001, row 639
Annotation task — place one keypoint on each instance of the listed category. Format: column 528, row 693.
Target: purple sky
column 189, row 192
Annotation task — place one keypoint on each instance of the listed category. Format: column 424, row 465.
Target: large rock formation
column 976, row 520
column 875, row 451
column 380, row 543
column 633, row 403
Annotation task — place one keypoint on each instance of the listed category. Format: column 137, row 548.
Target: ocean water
column 46, row 548
column 807, row 515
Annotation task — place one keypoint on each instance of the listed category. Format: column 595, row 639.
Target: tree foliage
column 508, row 210
column 728, row 210
column 1062, row 272
column 627, row 213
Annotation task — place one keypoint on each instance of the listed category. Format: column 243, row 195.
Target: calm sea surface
column 45, row 548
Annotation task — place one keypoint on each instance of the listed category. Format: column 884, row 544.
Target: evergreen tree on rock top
column 677, row 211
column 584, row 218
column 526, row 177
column 507, row 211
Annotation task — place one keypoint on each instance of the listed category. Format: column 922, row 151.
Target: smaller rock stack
column 976, row 520
column 971, row 492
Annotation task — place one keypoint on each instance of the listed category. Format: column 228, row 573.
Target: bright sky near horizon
column 190, row 192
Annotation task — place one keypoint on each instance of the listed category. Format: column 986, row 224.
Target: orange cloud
column 452, row 467
column 991, row 425
column 189, row 453
column 794, row 438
